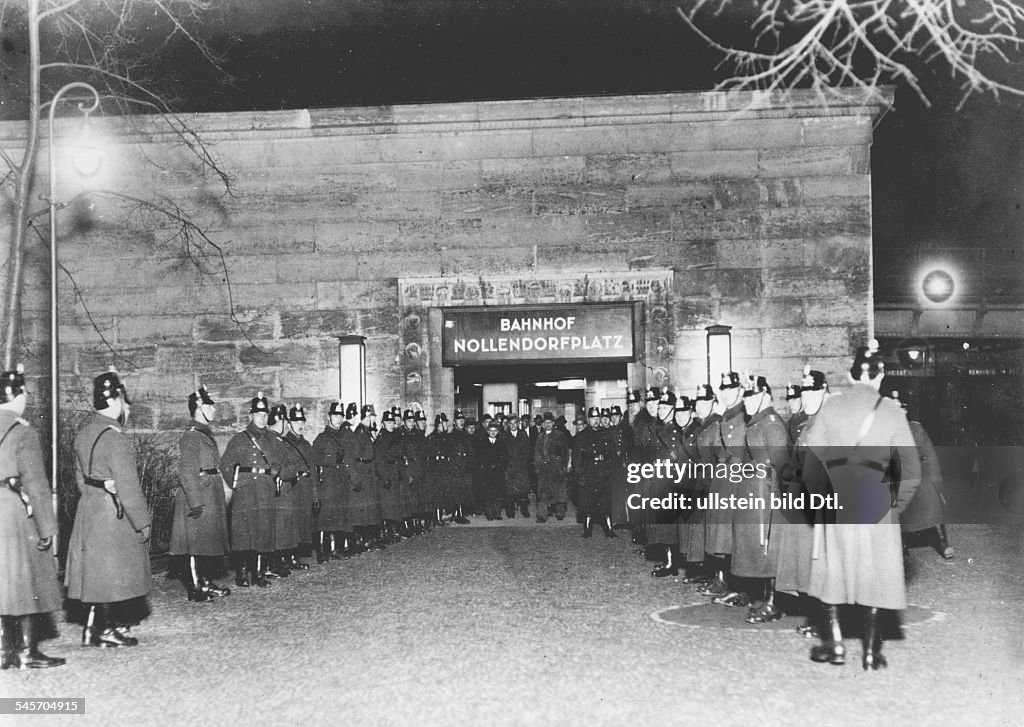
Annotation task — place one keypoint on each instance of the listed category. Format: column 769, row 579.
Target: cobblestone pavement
column 531, row 624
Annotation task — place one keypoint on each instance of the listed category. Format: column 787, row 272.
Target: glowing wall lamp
column 719, row 342
column 938, row 285
column 352, row 369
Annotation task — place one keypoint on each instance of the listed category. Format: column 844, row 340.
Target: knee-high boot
column 8, row 641
column 831, row 649
column 873, row 658
column 28, row 655
column 588, row 527
column 606, row 525
column 943, row 543
column 197, row 592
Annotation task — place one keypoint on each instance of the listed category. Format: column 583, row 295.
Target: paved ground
column 532, row 625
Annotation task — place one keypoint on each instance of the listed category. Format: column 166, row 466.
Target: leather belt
column 254, row 470
column 14, row 485
column 870, row 464
column 209, row 471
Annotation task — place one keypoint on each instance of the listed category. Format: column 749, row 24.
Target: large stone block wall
column 761, row 215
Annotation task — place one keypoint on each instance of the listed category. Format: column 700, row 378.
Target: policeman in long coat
column 387, row 457
column 644, row 441
column 306, row 491
column 618, row 444
column 551, row 460
column 520, row 463
column 795, row 531
column 687, row 427
column 463, row 467
column 334, row 485
column 200, row 530
column 108, row 556
column 367, row 516
column 438, row 468
column 705, row 433
column 730, row 450
column 28, row 578
column 247, row 465
column 590, row 462
column 859, row 552
column 411, row 466
column 755, row 548
column 711, row 452
column 284, row 459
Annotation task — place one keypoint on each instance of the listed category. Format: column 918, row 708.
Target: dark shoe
column 559, row 517
column 587, row 533
column 112, row 638
column 829, row 654
column 541, row 519
column 35, row 659
column 714, row 588
column 215, row 590
column 461, row 520
column 525, row 511
column 732, row 600
column 766, row 613
column 808, row 630
column 700, row 579
column 242, row 579
column 198, row 595
column 665, row 571
column 873, row 658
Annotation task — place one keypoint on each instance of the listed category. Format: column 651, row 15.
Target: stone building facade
column 699, row 208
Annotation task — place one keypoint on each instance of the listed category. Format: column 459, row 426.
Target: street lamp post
column 85, row 108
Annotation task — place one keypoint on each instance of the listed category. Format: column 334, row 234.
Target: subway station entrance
column 532, row 389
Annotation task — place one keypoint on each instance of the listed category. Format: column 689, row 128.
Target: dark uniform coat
column 365, row 498
column 437, row 474
column 925, row 510
column 463, row 467
column 334, row 484
column 550, row 460
column 691, row 524
column 755, row 550
column 860, row 560
column 287, row 465
column 412, row 466
column 305, row 491
column 106, row 562
column 731, row 448
column 28, row 577
column 492, row 459
column 253, row 506
column 386, row 459
column 589, row 462
column 618, row 445
column 201, row 485
column 796, row 532
column 520, row 462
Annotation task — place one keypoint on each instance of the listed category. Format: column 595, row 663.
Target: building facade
column 668, row 213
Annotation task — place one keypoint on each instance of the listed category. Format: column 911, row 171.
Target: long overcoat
column 106, row 562
column 925, row 510
column 437, row 474
column 588, row 450
column 860, row 558
column 550, row 459
column 520, row 462
column 332, row 470
column 755, row 550
column 691, row 524
column 365, row 498
column 201, row 485
column 492, row 459
column 618, row 445
column 253, row 512
column 730, row 448
column 28, row 576
column 305, row 491
column 386, row 460
column 412, row 467
column 463, row 467
column 795, row 531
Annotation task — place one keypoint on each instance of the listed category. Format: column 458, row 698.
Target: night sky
column 942, row 177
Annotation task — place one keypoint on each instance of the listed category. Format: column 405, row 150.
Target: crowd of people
column 273, row 499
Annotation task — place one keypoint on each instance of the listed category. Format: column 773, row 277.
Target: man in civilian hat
column 589, row 461
column 248, row 465
column 108, row 556
column 28, row 578
column 463, row 466
column 755, row 551
column 333, row 484
column 367, row 515
column 517, row 477
column 200, row 530
column 551, row 460
column 493, row 459
column 305, row 491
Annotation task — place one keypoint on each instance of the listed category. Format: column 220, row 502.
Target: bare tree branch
column 827, row 44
